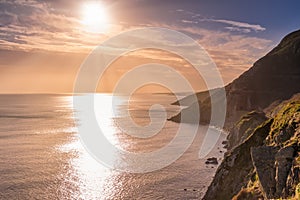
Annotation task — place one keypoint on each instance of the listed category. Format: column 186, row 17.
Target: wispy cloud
column 232, row 53
column 243, row 27
column 189, row 21
column 242, row 30
column 255, row 27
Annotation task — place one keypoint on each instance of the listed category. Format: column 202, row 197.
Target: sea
column 42, row 155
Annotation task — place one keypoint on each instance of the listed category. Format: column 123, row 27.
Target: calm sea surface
column 41, row 156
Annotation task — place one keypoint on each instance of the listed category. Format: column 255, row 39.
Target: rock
column 292, row 180
column 261, row 167
column 244, row 127
column 263, row 160
column 288, row 118
column 244, row 195
column 284, row 160
column 213, row 161
column 232, row 174
column 285, row 134
column 274, row 159
column 272, row 167
column 224, row 142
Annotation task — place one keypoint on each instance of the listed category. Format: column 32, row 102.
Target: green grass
column 283, row 118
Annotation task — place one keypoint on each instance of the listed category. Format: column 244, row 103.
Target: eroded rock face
column 264, row 162
column 284, row 160
column 293, row 179
column 244, row 127
column 233, row 172
column 272, row 166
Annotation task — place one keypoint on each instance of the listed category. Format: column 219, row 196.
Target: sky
column 43, row 43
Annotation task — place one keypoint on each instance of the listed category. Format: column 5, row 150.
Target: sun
column 94, row 17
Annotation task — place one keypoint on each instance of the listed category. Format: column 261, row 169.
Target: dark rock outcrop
column 283, row 164
column 273, row 167
column 213, row 161
column 292, row 179
column 263, row 159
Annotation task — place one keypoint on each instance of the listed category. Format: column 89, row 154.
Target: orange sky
column 43, row 48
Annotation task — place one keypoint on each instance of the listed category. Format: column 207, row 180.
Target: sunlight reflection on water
column 96, row 181
column 105, row 113
column 41, row 156
column 91, row 175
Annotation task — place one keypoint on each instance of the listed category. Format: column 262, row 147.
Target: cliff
column 263, row 116
column 266, row 165
column 275, row 77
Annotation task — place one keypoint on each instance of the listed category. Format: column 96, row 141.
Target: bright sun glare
column 94, row 17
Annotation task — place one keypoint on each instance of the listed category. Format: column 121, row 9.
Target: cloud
column 243, row 27
column 242, row 30
column 26, row 25
column 255, row 27
column 189, row 21
column 232, row 53
column 31, row 25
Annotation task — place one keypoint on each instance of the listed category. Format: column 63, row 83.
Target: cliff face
column 244, row 127
column 275, row 77
column 266, row 165
column 234, row 171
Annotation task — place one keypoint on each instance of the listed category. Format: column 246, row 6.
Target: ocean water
column 42, row 157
